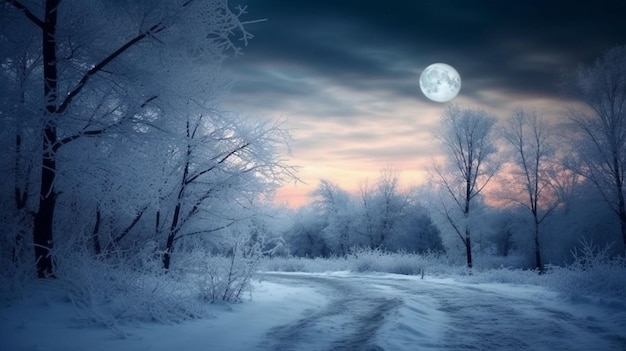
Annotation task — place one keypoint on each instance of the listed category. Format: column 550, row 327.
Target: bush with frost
column 594, row 272
column 112, row 290
column 224, row 275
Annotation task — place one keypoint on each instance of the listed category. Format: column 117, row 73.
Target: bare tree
column 223, row 161
column 467, row 138
column 602, row 87
column 532, row 141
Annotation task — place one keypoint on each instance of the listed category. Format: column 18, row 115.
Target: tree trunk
column 468, row 241
column 468, row 247
column 21, row 199
column 169, row 244
column 621, row 210
column 621, row 213
column 466, row 213
column 43, row 221
column 95, row 235
column 42, row 230
column 538, row 261
column 167, row 255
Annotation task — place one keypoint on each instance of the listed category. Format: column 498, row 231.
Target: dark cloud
column 519, row 46
column 345, row 72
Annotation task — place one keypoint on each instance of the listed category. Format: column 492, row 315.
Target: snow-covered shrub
column 15, row 276
column 109, row 290
column 17, row 263
column 504, row 275
column 219, row 277
column 224, row 275
column 399, row 263
column 379, row 261
column 366, row 260
column 491, row 261
column 284, row 264
column 305, row 264
column 593, row 272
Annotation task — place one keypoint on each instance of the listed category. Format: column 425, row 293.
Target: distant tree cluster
column 379, row 216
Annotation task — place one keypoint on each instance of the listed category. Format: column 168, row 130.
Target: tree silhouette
column 602, row 87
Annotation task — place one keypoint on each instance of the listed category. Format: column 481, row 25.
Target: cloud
column 345, row 73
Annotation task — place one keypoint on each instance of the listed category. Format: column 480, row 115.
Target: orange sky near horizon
column 395, row 138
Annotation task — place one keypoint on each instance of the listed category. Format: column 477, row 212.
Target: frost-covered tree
column 602, row 87
column 224, row 166
column 468, row 142
column 379, row 217
column 533, row 172
column 337, row 208
column 304, row 236
column 100, row 65
column 383, row 207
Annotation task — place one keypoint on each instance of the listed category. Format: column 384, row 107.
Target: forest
column 121, row 166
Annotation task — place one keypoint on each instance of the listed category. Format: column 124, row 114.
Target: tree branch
column 31, row 16
column 226, row 157
column 205, row 231
column 94, row 132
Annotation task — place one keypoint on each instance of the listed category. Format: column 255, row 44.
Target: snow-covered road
column 370, row 312
column 342, row 311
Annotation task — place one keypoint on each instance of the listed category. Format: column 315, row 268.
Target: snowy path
column 343, row 311
column 349, row 322
column 394, row 313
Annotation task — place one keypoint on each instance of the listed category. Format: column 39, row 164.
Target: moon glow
column 440, row 82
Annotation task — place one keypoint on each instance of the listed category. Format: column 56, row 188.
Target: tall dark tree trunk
column 468, row 248
column 621, row 203
column 169, row 244
column 174, row 227
column 468, row 240
column 622, row 218
column 44, row 217
column 538, row 261
column 95, row 235
column 21, row 199
column 466, row 213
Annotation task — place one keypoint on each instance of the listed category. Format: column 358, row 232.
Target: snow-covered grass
column 366, row 261
column 47, row 321
column 113, row 290
column 593, row 272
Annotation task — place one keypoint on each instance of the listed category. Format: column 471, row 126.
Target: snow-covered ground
column 343, row 311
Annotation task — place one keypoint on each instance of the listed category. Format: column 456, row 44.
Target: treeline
column 552, row 184
column 384, row 217
column 379, row 216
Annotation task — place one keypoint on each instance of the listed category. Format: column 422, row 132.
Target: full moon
column 440, row 82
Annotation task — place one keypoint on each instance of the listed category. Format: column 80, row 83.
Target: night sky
column 345, row 74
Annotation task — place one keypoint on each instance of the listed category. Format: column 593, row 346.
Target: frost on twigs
column 111, row 291
column 224, row 276
column 594, row 272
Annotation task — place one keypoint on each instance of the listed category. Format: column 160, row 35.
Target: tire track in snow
column 349, row 322
column 480, row 319
column 439, row 316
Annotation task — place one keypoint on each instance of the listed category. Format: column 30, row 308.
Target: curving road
column 393, row 313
